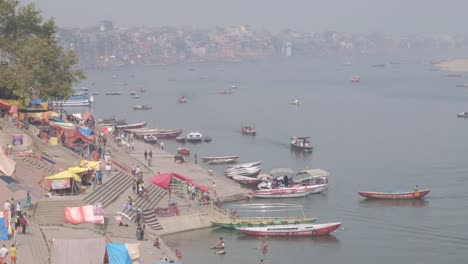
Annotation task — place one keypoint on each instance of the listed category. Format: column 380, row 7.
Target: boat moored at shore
column 194, row 137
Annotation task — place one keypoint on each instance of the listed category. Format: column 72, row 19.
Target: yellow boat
column 262, row 221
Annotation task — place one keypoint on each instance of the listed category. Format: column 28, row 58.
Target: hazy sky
column 393, row 16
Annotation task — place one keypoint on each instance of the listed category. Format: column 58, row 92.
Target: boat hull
column 132, row 126
column 300, row 148
column 291, row 230
column 261, row 221
column 293, row 192
column 395, row 196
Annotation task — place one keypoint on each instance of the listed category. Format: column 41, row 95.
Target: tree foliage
column 31, row 62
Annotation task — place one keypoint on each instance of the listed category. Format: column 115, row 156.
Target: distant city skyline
column 362, row 16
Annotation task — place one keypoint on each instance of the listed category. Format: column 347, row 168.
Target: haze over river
column 393, row 130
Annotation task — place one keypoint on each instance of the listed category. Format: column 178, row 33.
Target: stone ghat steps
column 51, row 212
column 48, row 168
column 111, row 190
column 155, row 194
column 151, row 219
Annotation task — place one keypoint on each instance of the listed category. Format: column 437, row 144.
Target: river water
column 395, row 129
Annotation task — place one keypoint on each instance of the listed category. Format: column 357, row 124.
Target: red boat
column 418, row 194
column 132, row 126
column 291, row 230
column 183, row 151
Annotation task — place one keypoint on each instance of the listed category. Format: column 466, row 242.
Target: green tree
column 31, row 62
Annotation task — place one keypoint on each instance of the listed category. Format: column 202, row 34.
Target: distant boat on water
column 382, row 65
column 356, row 79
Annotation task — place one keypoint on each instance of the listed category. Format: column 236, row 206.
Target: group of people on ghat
column 18, row 224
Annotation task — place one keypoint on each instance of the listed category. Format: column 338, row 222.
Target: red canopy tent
column 163, row 180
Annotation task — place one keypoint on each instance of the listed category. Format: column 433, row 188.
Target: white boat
column 78, row 99
column 462, row 114
column 245, row 165
column 291, row 230
column 290, row 192
column 223, row 161
column 250, row 172
column 206, row 159
column 194, row 137
column 295, row 102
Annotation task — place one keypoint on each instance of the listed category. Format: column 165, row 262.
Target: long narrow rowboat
column 291, row 230
column 159, row 133
column 222, row 161
column 261, row 221
column 395, row 195
column 206, row 159
column 292, row 192
column 132, row 126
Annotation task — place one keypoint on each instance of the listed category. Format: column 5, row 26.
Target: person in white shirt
column 18, row 208
column 3, row 254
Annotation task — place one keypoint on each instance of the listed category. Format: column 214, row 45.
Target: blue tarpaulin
column 86, row 131
column 3, row 229
column 56, row 119
column 118, row 253
column 36, row 101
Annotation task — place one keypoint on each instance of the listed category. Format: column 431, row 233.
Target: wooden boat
column 141, row 107
column 182, row 100
column 150, row 139
column 222, row 161
column 248, row 130
column 301, row 144
column 113, row 93
column 229, row 92
column 249, row 172
column 291, row 230
column 159, row 133
column 181, row 139
column 290, row 192
column 207, row 139
column 417, row 194
column 262, row 221
column 295, row 102
column 132, row 93
column 245, row 165
column 356, row 79
column 465, row 85
column 183, row 151
column 206, row 159
column 194, row 137
column 132, row 126
column 247, row 181
column 462, row 114
column 454, row 75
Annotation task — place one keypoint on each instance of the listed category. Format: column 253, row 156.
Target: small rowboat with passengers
column 417, row 194
column 291, row 230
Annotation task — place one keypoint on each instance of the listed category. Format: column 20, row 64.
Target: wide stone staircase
column 148, row 205
column 35, row 163
column 111, row 190
column 51, row 212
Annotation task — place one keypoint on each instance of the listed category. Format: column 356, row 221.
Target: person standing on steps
column 161, row 145
column 146, row 154
column 3, row 254
column 150, row 154
column 196, row 158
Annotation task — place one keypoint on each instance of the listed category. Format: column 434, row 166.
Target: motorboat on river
column 182, row 100
column 141, row 107
column 301, row 144
column 463, row 114
column 249, row 130
column 150, row 139
column 289, row 192
column 194, row 137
